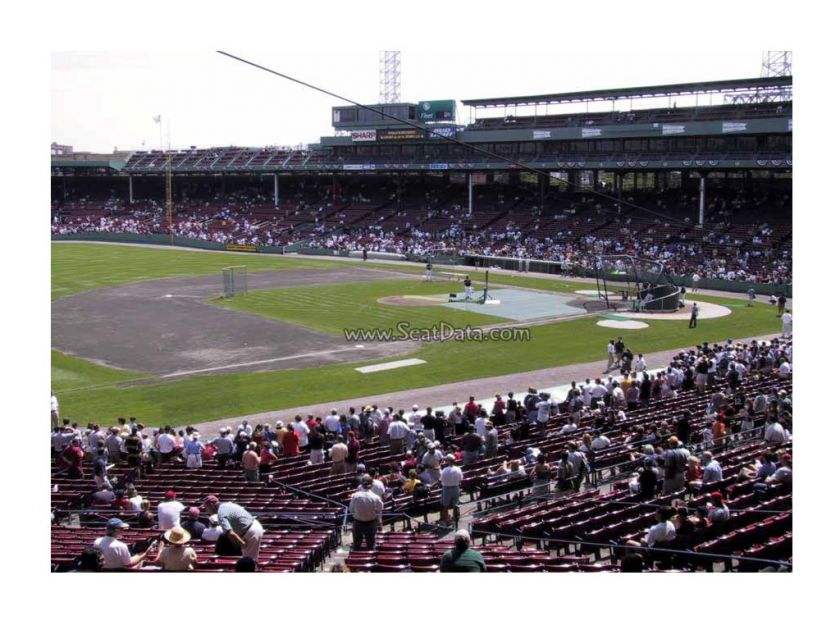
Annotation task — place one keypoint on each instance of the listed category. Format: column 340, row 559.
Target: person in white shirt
column 450, row 480
column 415, row 418
column 664, row 530
column 432, row 460
column 115, row 553
column 366, row 508
column 787, row 324
column 397, row 432
column 544, row 408
column 784, row 473
column 571, row 427
column 775, row 434
column 332, row 423
column 600, row 441
column 136, row 501
column 54, row 414
column 617, row 396
column 598, row 391
column 302, row 431
column 784, row 368
column 481, row 425
column 338, row 456
column 586, row 393
column 610, row 356
column 247, row 428
column 169, row 512
column 641, row 364
column 166, row 445
column 376, row 486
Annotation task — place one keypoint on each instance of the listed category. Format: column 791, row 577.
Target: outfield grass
column 72, row 374
column 331, row 309
column 81, row 266
column 90, row 392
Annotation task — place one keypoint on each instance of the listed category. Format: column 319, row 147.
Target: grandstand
column 716, row 177
column 581, row 483
column 303, row 506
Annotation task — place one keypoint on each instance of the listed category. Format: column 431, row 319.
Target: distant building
column 60, row 149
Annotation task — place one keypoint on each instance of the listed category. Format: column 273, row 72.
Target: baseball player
column 468, row 290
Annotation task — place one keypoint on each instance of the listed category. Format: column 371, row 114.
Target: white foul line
column 262, row 362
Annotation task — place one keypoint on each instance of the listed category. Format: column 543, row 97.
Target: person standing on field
column 787, row 324
column 692, row 323
column 781, row 301
column 428, row 269
column 54, row 415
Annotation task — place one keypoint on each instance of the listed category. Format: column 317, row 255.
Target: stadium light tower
column 389, row 76
column 777, row 63
column 774, row 63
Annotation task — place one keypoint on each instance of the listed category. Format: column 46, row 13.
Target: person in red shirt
column 353, row 448
column 693, row 472
column 471, row 410
column 719, row 430
column 291, row 442
column 266, row 458
column 73, row 456
column 312, row 422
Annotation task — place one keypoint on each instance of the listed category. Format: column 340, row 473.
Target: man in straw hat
column 176, row 555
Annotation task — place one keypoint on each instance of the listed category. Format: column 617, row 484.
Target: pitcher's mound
column 412, row 300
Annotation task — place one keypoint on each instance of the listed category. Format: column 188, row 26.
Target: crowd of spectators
column 736, row 243
column 664, row 455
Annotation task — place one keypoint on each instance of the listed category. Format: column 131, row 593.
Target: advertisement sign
column 668, row 130
column 232, row 247
column 590, row 132
column 541, row 134
column 435, row 111
column 401, row 134
column 729, row 127
column 445, row 132
column 359, row 167
column 363, row 135
column 438, row 167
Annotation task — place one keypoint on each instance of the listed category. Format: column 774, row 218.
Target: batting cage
column 628, row 283
column 234, row 281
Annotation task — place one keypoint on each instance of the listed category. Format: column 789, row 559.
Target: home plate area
column 521, row 305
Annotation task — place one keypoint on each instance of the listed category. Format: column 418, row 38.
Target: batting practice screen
column 234, row 281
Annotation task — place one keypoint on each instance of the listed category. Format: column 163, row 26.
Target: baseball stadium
column 535, row 333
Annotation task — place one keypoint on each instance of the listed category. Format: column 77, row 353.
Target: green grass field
column 90, row 392
column 334, row 308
